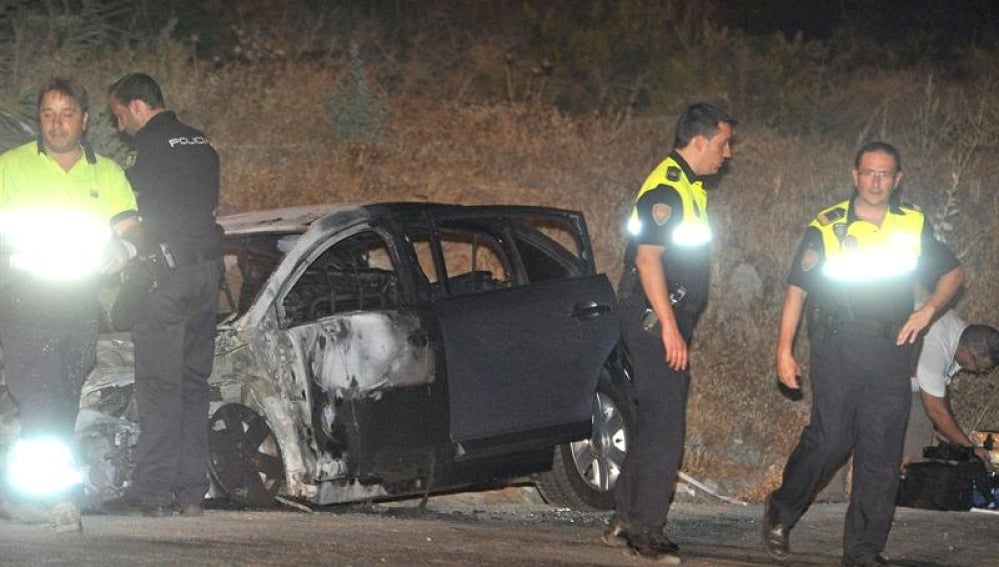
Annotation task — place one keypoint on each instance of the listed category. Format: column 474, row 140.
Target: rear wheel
column 584, row 472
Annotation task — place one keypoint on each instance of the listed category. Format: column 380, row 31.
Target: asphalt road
column 508, row 528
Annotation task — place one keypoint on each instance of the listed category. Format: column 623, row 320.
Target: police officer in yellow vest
column 63, row 209
column 663, row 291
column 858, row 265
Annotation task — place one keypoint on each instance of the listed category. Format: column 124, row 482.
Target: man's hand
column 946, row 286
column 788, row 370
column 982, row 454
column 676, row 348
column 118, row 252
column 918, row 320
column 787, row 367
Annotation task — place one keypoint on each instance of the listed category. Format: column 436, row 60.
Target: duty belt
column 174, row 257
column 866, row 327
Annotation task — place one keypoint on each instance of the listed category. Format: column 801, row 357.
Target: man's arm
column 126, row 227
column 123, row 245
column 938, row 410
column 648, row 260
column 946, row 287
column 787, row 367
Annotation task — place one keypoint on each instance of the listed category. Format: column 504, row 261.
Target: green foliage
column 357, row 112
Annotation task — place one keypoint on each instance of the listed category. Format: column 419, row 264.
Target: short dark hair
column 137, row 86
column 982, row 341
column 701, row 118
column 881, row 147
column 69, row 88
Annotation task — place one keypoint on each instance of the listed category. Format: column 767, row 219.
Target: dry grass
column 279, row 150
column 270, row 124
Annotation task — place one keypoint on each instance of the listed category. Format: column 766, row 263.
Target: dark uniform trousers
column 174, row 350
column 645, row 486
column 861, row 398
column 44, row 368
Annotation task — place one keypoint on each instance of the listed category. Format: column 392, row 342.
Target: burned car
column 377, row 351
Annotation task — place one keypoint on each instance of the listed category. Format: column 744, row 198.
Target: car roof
column 286, row 219
column 298, row 219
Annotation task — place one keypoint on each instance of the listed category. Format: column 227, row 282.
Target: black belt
column 866, row 327
column 173, row 257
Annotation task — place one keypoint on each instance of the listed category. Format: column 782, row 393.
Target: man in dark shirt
column 663, row 292
column 858, row 264
column 175, row 174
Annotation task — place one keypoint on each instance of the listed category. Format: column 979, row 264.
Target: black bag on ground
column 957, row 483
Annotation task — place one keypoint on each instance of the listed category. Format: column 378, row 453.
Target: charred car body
column 376, row 351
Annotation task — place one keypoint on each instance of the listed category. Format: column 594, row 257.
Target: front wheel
column 245, row 456
column 584, row 472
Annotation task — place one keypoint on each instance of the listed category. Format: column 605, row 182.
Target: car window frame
column 308, row 258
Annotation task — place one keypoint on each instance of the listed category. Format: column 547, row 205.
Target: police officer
column 49, row 310
column 175, row 174
column 858, row 264
column 663, row 292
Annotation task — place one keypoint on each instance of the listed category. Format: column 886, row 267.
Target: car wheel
column 245, row 457
column 584, row 472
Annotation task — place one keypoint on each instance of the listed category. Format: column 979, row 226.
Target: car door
column 522, row 354
column 365, row 355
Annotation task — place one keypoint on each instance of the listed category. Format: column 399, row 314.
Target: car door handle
column 590, row 310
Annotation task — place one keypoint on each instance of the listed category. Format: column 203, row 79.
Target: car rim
column 245, row 457
column 598, row 459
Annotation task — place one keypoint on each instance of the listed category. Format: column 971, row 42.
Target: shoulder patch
column 672, row 173
column 830, row 215
column 809, row 259
column 661, row 213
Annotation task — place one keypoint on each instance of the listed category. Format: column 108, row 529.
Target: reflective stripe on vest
column 862, row 251
column 694, row 229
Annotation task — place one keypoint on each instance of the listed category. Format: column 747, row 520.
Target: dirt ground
column 508, row 528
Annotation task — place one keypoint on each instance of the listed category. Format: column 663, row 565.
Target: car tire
column 246, row 461
column 584, row 472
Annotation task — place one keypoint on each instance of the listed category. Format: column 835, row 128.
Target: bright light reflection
column 898, row 256
column 691, row 234
column 54, row 245
column 41, row 466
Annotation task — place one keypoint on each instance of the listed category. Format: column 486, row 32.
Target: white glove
column 116, row 255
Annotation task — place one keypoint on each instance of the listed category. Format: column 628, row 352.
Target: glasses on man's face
column 872, row 175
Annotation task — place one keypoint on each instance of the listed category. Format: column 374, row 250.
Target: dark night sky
column 945, row 21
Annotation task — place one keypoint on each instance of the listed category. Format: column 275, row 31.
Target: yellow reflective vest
column 694, row 229
column 860, row 251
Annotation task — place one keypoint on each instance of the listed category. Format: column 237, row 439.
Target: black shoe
column 652, row 546
column 126, row 506
column 879, row 559
column 774, row 534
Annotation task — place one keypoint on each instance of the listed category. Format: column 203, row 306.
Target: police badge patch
column 809, row 259
column 130, row 159
column 839, row 230
column 661, row 213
